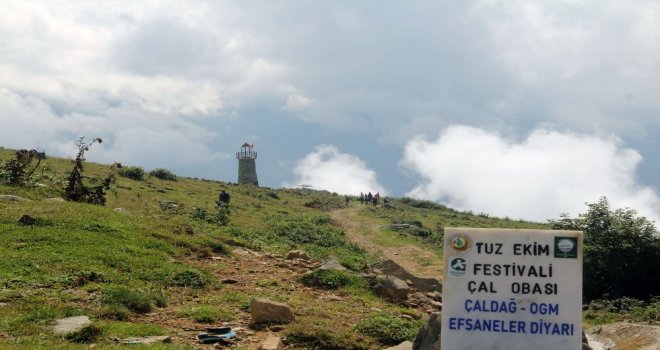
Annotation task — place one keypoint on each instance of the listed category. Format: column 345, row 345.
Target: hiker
column 346, row 199
column 223, row 198
column 386, row 200
column 370, row 198
column 361, row 198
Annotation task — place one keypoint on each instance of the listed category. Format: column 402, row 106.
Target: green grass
column 203, row 313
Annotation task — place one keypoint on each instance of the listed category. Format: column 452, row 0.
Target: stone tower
column 247, row 166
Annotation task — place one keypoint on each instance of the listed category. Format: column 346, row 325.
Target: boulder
column 297, row 254
column 406, row 345
column 428, row 337
column 55, row 200
column 391, row 287
column 267, row 311
column 70, row 325
column 12, row 198
column 332, row 265
column 389, row 267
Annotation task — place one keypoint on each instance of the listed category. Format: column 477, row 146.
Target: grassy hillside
column 152, row 260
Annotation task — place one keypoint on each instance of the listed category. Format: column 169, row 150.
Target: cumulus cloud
column 540, row 177
column 328, row 168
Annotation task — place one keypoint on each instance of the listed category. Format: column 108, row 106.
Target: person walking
column 223, row 198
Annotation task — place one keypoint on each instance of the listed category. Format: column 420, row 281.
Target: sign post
column 512, row 289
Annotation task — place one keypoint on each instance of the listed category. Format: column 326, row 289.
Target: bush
column 220, row 217
column 189, row 278
column 328, row 279
column 621, row 251
column 425, row 204
column 134, row 300
column 389, row 330
column 163, row 174
column 132, row 172
column 85, row 335
column 76, row 190
column 116, row 312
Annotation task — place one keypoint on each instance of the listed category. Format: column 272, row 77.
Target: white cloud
column 129, row 136
column 330, row 169
column 537, row 178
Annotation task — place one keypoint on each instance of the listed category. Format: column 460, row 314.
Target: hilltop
column 155, row 260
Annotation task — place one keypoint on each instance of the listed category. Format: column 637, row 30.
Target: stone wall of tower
column 247, row 171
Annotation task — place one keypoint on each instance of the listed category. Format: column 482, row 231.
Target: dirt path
column 416, row 259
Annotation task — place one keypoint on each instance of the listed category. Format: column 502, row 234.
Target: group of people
column 370, row 198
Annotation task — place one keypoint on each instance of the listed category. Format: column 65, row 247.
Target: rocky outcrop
column 70, row 325
column 391, row 287
column 428, row 337
column 624, row 336
column 267, row 311
column 389, row 267
column 12, row 199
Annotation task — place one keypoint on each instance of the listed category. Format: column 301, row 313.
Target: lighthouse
column 247, row 166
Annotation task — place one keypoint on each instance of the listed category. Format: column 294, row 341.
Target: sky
column 525, row 109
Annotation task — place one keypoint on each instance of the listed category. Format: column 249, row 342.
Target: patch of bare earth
column 419, row 261
column 257, row 274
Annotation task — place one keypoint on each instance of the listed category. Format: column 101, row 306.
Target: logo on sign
column 566, row 247
column 457, row 267
column 460, row 243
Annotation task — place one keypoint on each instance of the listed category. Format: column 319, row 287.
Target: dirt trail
column 420, row 261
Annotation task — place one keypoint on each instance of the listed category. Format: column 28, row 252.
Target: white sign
column 512, row 289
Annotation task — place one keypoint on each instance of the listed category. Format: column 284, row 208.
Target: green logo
column 457, row 267
column 566, row 247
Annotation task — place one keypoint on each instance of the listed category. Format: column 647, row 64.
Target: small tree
column 16, row 172
column 621, row 252
column 76, row 190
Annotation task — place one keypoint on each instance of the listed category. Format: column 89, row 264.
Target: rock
column 272, row 342
column 437, row 296
column 276, row 328
column 297, row 254
column 229, row 281
column 121, row 210
column 420, row 299
column 55, row 200
column 428, row 337
column 70, row 325
column 27, row 220
column 12, row 198
column 147, row 340
column 406, row 345
column 624, row 335
column 389, row 267
column 266, row 311
column 332, row 264
column 392, row 288
column 331, row 297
